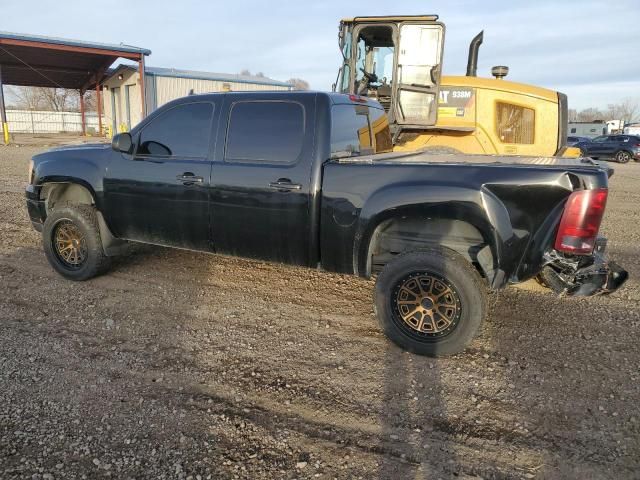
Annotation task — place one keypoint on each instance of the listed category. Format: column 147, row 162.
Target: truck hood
column 82, row 146
column 82, row 151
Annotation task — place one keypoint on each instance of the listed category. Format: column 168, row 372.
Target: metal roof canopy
column 37, row 61
column 199, row 75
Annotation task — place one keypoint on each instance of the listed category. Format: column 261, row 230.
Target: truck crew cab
column 306, row 178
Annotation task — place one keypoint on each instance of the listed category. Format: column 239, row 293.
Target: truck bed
column 424, row 157
column 513, row 201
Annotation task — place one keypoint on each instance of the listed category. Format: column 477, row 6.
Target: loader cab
column 397, row 61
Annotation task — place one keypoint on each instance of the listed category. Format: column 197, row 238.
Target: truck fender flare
column 85, row 173
column 481, row 209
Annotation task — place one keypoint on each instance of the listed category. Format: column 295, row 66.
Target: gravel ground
column 185, row 365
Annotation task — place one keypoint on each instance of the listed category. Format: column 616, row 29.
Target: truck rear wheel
column 430, row 302
column 72, row 244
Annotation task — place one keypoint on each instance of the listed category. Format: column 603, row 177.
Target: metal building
column 587, row 129
column 122, row 90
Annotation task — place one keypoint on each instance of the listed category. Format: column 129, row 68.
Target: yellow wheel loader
column 398, row 61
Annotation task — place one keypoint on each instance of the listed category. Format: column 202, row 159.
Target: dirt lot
column 186, row 365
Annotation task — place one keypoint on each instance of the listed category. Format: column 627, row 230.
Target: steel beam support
column 3, row 113
column 99, row 106
column 143, row 85
column 84, row 124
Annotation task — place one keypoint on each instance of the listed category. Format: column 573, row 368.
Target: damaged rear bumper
column 583, row 276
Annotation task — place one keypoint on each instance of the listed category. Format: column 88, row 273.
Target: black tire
column 75, row 227
column 451, row 276
column 623, row 156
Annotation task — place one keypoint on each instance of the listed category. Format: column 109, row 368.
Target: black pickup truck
column 308, row 178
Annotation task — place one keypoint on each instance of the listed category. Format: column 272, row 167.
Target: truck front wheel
column 72, row 244
column 430, row 302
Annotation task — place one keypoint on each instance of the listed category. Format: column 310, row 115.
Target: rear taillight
column 580, row 221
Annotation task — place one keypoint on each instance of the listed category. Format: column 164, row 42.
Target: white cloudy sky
column 587, row 49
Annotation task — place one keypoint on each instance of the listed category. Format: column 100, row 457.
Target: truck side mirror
column 122, row 142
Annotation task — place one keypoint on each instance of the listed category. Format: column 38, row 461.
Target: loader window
column 515, row 124
column 418, row 74
column 374, row 63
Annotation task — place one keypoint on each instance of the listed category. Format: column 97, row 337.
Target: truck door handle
column 188, row 178
column 284, row 185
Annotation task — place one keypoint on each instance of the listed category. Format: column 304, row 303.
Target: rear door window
column 265, row 131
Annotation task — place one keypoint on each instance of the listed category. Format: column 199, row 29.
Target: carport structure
column 37, row 61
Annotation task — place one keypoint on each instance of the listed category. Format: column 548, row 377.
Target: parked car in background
column 572, row 141
column 620, row 148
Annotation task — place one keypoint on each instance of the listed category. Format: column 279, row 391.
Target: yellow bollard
column 5, row 131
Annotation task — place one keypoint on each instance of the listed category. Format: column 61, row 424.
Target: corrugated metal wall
column 170, row 88
column 159, row 90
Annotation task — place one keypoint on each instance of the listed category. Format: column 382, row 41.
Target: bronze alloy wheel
column 69, row 244
column 426, row 304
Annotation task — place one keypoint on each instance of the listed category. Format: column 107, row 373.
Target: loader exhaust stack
column 472, row 62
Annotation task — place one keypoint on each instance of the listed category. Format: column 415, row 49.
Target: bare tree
column 627, row 110
column 25, row 98
column 299, row 84
column 58, row 99
column 50, row 99
column 590, row 115
column 90, row 101
column 247, row 72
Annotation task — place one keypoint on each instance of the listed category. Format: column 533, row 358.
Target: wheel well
column 68, row 192
column 53, row 193
column 404, row 234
